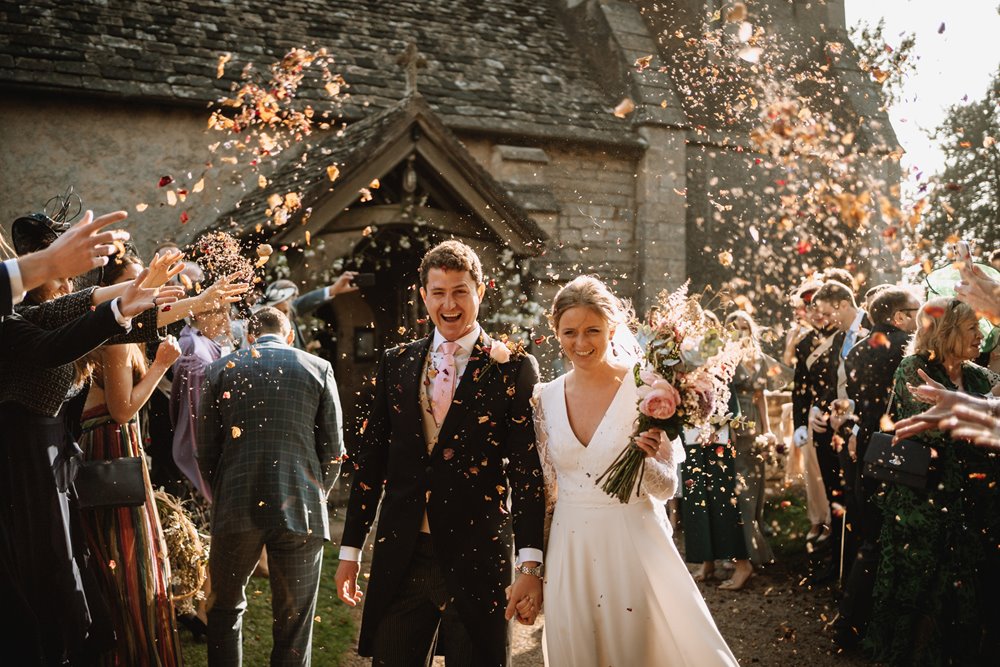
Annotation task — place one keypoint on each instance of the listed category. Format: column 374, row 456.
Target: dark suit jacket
column 815, row 384
column 870, row 370
column 803, row 394
column 6, row 297
column 269, row 439
column 485, row 451
column 42, row 341
column 824, row 373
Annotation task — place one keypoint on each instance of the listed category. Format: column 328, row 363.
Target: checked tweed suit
column 484, row 451
column 269, row 444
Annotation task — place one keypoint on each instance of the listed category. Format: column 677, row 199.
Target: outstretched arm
column 49, row 348
column 83, row 247
column 123, row 396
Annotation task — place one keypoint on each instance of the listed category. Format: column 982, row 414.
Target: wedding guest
column 206, row 339
column 756, row 373
column 803, row 338
column 936, row 587
column 137, row 588
column 871, row 366
column 83, row 247
column 155, row 420
column 49, row 601
column 710, row 511
column 653, row 613
column 270, row 445
column 834, row 305
column 284, row 295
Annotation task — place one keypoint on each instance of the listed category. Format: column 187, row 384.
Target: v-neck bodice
column 577, row 466
column 604, row 417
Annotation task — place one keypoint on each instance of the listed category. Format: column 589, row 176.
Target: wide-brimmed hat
column 278, row 292
column 34, row 232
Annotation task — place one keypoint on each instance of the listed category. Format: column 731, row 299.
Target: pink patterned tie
column 443, row 383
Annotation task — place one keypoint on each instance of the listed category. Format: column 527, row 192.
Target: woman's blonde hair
column 939, row 328
column 589, row 292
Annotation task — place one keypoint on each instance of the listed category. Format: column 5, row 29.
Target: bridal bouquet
column 683, row 378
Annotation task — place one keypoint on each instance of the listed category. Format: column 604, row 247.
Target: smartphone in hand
column 962, row 252
column 363, row 280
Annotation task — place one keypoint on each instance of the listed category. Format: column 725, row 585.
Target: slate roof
column 503, row 66
column 351, row 147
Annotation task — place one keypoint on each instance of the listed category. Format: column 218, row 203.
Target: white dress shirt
column 16, row 284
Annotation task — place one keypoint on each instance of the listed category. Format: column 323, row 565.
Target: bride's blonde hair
column 590, row 292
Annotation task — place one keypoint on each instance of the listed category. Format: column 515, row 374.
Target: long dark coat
column 484, row 454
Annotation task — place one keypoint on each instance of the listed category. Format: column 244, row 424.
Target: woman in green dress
column 711, row 518
column 936, row 590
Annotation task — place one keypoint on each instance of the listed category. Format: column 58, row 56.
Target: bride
column 616, row 591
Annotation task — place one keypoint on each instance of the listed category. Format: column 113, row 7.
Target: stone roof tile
column 512, row 58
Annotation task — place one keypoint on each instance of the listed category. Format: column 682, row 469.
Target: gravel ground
column 778, row 619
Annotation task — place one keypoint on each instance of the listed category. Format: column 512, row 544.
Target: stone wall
column 113, row 154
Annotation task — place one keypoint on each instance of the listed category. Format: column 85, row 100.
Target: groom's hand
column 525, row 594
column 347, row 582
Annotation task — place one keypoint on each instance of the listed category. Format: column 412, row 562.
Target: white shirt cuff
column 125, row 322
column 328, row 293
column 528, row 555
column 16, row 284
column 801, row 436
column 350, row 553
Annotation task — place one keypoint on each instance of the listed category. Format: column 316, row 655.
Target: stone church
column 557, row 136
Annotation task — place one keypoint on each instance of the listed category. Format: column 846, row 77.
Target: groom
column 449, row 439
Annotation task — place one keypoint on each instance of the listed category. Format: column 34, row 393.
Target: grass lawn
column 333, row 630
column 785, row 513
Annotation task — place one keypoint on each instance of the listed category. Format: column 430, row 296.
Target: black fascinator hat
column 37, row 231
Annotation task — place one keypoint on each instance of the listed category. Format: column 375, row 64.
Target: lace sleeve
column 542, row 442
column 659, row 479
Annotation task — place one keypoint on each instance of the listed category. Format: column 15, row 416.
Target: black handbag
column 114, row 483
column 907, row 462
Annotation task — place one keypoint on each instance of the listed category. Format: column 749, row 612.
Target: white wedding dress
column 617, row 593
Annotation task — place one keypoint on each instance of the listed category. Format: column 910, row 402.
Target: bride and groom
column 459, row 422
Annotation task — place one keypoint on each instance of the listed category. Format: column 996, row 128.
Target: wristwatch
column 533, row 571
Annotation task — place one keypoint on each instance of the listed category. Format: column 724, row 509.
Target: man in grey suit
column 269, row 447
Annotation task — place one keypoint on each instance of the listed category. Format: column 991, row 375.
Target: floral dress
column 937, row 584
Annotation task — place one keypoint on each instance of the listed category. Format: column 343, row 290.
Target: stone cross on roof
column 411, row 59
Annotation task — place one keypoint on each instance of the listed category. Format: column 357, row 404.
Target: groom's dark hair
column 451, row 256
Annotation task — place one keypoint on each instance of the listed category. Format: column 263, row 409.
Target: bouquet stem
column 625, row 474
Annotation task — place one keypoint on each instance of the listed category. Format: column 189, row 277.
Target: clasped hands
column 524, row 598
